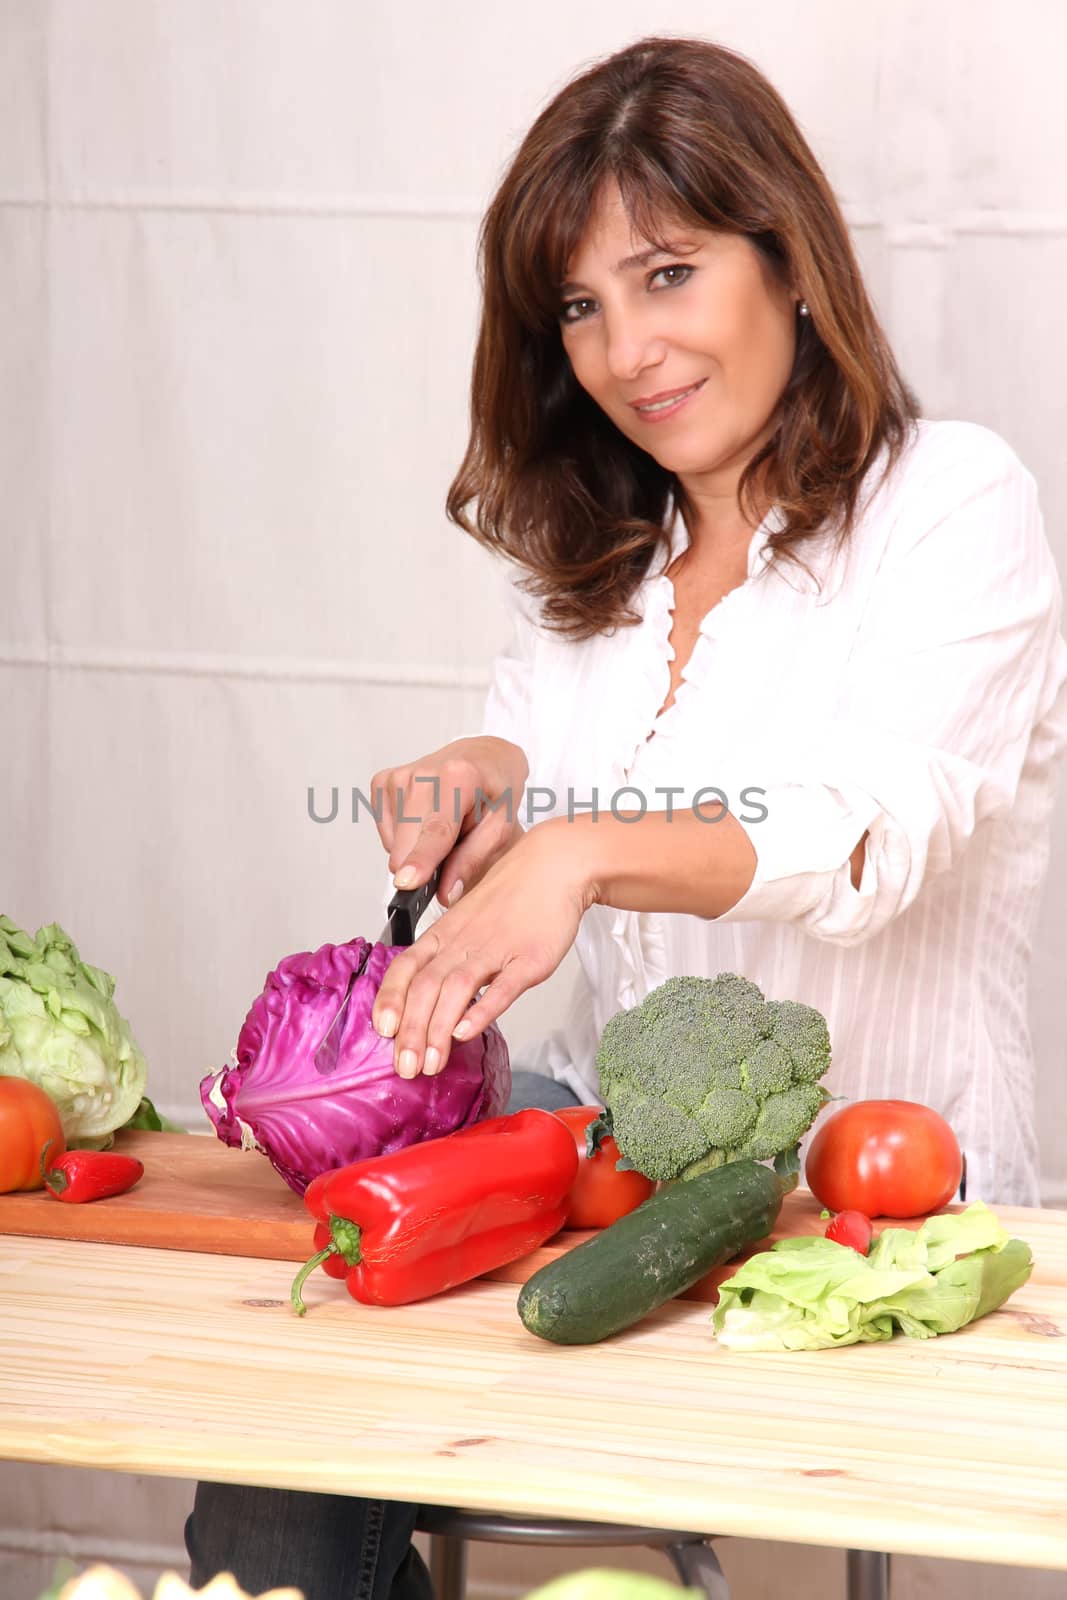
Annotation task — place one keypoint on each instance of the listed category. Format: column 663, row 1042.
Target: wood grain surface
column 194, row 1365
column 199, row 1194
column 196, row 1194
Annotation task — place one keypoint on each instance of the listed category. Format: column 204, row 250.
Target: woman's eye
column 673, row 275
column 575, row 310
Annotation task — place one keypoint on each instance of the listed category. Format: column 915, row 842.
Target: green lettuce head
column 60, row 1028
column 607, row 1583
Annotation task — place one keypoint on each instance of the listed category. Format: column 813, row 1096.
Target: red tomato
column 599, row 1195
column 28, row 1120
column 886, row 1158
column 851, row 1228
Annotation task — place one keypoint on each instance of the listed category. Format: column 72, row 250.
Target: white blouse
column 922, row 696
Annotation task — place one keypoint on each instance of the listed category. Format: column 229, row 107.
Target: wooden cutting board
column 199, row 1194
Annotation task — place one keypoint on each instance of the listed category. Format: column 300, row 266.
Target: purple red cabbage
column 274, row 1098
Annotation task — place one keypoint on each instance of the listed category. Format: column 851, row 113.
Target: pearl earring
column 803, row 309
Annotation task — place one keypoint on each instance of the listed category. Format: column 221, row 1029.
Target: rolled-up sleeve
column 957, row 658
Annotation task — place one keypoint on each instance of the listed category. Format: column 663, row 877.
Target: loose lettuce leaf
column 812, row 1293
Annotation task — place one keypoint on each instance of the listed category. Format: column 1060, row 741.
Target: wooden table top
column 192, row 1365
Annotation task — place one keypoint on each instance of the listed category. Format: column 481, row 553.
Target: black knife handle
column 407, row 906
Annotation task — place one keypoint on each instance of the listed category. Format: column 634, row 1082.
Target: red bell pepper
column 413, row 1223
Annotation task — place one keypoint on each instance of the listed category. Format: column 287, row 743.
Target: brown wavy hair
column 692, row 133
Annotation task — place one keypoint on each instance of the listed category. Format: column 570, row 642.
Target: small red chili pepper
column 413, row 1223
column 89, row 1174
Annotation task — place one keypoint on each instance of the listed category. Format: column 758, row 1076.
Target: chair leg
column 698, row 1567
column 867, row 1575
column 448, row 1567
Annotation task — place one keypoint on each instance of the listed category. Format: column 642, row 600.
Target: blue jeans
column 332, row 1546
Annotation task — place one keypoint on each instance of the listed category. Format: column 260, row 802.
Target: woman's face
column 689, row 352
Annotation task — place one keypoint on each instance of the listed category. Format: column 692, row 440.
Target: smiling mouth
column 659, row 408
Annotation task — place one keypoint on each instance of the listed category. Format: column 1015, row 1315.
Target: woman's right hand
column 459, row 805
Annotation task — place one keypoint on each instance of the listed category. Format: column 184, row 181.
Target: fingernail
column 387, row 1024
column 408, row 1065
column 404, row 878
column 462, row 1030
column 455, row 891
column 432, row 1062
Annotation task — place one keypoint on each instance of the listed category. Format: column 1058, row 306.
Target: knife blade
column 404, row 911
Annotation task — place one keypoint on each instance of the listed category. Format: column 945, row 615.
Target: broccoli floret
column 779, row 1119
column 803, row 1035
column 705, row 1071
column 726, row 1117
column 766, row 1069
column 661, row 1132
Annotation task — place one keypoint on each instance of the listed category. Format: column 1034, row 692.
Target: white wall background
column 237, row 307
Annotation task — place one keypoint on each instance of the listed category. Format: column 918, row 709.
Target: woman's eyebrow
column 642, row 259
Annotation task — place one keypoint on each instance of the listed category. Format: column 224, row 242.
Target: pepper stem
column 309, row 1266
column 344, row 1243
column 56, row 1180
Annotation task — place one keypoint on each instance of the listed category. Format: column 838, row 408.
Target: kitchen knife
column 404, row 911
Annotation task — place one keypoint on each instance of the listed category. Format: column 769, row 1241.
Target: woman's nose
column 630, row 349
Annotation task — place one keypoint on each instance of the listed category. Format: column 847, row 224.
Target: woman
column 787, row 691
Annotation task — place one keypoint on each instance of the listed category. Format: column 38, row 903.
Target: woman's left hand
column 510, row 931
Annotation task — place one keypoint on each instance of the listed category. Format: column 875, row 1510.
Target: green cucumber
column 658, row 1251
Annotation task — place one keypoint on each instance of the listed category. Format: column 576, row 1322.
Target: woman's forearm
column 657, row 862
column 512, row 930
column 661, row 862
